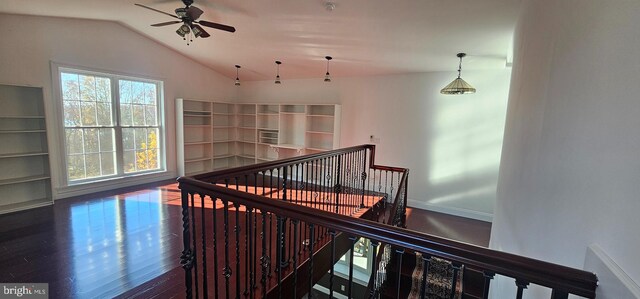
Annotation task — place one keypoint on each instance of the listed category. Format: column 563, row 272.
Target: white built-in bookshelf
column 25, row 179
column 215, row 135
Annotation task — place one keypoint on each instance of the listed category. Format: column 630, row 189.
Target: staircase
column 274, row 230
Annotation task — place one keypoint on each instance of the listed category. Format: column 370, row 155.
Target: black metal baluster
column 521, row 286
column 295, row 256
column 353, row 243
column 426, row 262
column 454, row 280
column 311, row 244
column 557, row 294
column 186, row 259
column 336, row 188
column 237, row 228
column 400, row 253
column 195, row 244
column 226, row 271
column 374, row 268
column 283, row 262
column 488, row 276
column 247, row 250
column 332, row 233
column 264, row 259
column 279, row 254
column 205, row 279
column 214, row 211
column 270, row 221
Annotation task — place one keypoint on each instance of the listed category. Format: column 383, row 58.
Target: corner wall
column 570, row 169
column 451, row 143
column 31, row 43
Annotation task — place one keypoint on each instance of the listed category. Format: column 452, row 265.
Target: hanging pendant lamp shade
column 327, row 76
column 458, row 86
column 278, row 63
column 237, row 78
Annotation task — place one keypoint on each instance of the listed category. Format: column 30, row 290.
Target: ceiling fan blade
column 162, row 12
column 204, row 33
column 166, row 23
column 217, row 26
column 194, row 13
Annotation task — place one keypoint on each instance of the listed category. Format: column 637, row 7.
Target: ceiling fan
column 188, row 16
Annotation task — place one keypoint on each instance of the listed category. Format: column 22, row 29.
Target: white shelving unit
column 25, row 180
column 244, row 134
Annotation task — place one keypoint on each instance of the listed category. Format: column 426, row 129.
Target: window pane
column 150, row 94
column 128, row 138
column 87, row 88
column 72, row 114
column 137, row 92
column 103, row 89
column 152, row 158
column 129, row 161
column 106, row 140
column 74, row 142
column 92, row 164
column 88, row 113
column 125, row 115
column 141, row 160
column 108, row 163
column 75, row 167
column 150, row 115
column 125, row 91
column 104, row 114
column 91, row 141
column 70, row 87
column 138, row 115
column 152, row 138
column 141, row 138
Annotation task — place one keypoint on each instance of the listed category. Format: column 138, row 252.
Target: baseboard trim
column 482, row 216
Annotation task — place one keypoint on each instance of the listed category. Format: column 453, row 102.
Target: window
column 112, row 125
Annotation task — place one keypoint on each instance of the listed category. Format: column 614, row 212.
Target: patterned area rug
column 439, row 279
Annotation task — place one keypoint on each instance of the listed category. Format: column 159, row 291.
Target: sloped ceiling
column 365, row 37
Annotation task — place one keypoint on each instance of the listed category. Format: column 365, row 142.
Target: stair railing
column 239, row 249
column 318, row 213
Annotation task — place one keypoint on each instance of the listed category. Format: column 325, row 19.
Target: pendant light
column 458, row 86
column 327, row 76
column 237, row 78
column 278, row 63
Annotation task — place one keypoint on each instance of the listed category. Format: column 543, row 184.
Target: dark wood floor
column 128, row 244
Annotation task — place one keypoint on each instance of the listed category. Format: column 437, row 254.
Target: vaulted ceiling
column 365, row 37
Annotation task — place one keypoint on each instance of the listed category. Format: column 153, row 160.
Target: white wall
column 570, row 168
column 451, row 143
column 30, row 43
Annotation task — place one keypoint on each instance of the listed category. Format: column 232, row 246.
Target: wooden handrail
column 557, row 277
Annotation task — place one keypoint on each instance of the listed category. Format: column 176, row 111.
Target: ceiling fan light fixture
column 237, row 78
column 327, row 76
column 197, row 32
column 458, row 85
column 183, row 30
column 181, row 12
column 278, row 63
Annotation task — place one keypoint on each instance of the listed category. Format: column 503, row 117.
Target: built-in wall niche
column 268, row 121
column 247, row 135
column 197, row 152
column 246, row 150
column 247, row 121
column 266, row 153
column 25, row 180
column 269, row 109
column 223, row 149
column 292, row 108
column 292, row 129
column 268, row 137
column 245, row 109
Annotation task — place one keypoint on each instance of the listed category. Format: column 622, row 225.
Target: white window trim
column 56, row 69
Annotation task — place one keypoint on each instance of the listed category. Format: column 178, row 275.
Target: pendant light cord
column 459, row 67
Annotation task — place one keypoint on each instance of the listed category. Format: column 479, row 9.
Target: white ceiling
column 365, row 37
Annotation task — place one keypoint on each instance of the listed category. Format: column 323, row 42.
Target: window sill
column 83, row 188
